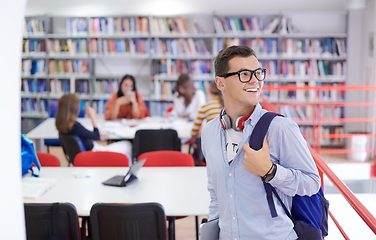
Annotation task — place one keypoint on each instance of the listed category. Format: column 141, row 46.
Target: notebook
column 122, row 181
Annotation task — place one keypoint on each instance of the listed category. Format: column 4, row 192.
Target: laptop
column 122, row 181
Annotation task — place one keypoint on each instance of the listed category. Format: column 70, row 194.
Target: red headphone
column 226, row 121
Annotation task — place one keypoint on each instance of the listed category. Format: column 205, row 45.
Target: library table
column 181, row 190
column 117, row 129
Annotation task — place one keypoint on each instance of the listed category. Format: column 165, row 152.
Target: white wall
column 11, row 206
column 175, row 7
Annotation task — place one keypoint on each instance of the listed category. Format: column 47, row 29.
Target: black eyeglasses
column 246, row 75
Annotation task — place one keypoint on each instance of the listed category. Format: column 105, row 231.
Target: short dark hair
column 182, row 79
column 225, row 55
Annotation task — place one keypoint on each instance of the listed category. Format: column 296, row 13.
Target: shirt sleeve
column 81, row 131
column 296, row 170
column 109, row 106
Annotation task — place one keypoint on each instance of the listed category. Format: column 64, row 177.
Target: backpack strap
column 255, row 142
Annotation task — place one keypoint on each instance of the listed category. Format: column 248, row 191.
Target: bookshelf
column 88, row 55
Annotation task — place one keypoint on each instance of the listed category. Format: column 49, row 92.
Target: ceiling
column 176, row 7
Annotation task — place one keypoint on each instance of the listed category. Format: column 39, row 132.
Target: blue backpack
column 28, row 156
column 309, row 214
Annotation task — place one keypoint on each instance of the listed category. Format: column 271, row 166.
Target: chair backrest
column 72, row 145
column 47, row 221
column 167, row 159
column 128, row 221
column 48, row 160
column 147, row 140
column 101, row 159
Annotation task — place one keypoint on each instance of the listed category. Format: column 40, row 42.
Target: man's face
column 235, row 93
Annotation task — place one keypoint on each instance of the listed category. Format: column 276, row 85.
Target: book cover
column 33, row 188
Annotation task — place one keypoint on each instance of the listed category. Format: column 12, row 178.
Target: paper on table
column 33, row 187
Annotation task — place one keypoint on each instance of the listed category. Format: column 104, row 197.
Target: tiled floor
column 348, row 170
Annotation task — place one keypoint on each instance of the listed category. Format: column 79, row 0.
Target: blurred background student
column 127, row 102
column 209, row 110
column 66, row 123
column 187, row 99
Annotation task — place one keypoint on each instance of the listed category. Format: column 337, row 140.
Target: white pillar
column 12, row 224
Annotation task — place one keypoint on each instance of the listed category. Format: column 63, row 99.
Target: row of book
column 313, row 68
column 34, row 106
column 55, row 67
column 119, row 46
column 237, row 24
column 175, row 25
column 119, row 25
column 105, row 86
column 66, row 47
column 303, row 92
column 39, row 86
column 327, row 47
column 170, row 67
column 76, row 26
column 34, row 26
column 262, row 46
column 180, row 47
column 35, row 47
column 68, row 67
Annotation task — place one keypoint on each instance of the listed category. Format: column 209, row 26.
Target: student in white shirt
column 187, row 99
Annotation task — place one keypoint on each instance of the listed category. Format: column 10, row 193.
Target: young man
column 237, row 193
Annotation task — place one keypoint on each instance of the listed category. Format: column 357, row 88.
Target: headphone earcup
column 239, row 123
column 225, row 121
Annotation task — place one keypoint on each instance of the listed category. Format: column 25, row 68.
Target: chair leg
column 171, row 228
column 197, row 228
column 48, row 149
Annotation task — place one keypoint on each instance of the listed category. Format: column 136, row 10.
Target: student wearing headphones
column 234, row 170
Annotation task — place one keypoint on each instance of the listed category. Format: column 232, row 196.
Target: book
column 33, row 187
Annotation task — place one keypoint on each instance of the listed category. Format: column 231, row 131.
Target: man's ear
column 219, row 82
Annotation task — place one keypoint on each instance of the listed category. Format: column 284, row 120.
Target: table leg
column 171, row 228
column 39, row 145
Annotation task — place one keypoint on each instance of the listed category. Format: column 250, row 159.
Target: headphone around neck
column 225, row 121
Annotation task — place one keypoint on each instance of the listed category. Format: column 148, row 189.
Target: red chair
column 101, row 159
column 168, row 158
column 48, row 160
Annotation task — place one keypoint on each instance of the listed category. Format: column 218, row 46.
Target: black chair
column 72, row 145
column 128, row 221
column 148, row 140
column 47, row 221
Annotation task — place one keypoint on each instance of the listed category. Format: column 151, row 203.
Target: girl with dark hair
column 66, row 123
column 127, row 102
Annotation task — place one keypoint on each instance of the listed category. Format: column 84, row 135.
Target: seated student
column 66, row 123
column 187, row 99
column 208, row 111
column 127, row 102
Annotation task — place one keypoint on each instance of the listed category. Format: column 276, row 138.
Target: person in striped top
column 208, row 111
